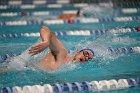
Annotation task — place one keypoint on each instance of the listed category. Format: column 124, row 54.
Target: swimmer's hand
column 38, row 48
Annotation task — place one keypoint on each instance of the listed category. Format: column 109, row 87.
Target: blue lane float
column 6, row 56
column 77, row 86
column 121, row 50
column 92, row 86
column 86, row 86
column 67, row 87
column 6, row 90
column 70, row 21
column 125, row 50
column 132, row 82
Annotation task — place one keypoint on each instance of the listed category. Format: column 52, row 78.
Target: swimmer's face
column 84, row 56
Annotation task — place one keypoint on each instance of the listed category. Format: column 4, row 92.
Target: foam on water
column 98, row 11
column 21, row 61
column 124, row 40
column 100, row 46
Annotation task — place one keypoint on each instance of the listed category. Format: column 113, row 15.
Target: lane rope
column 75, row 32
column 56, row 13
column 94, row 86
column 70, row 21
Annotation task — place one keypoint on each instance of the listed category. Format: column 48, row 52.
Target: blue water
column 103, row 66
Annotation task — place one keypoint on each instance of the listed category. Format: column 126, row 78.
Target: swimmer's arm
column 57, row 49
column 49, row 40
column 45, row 35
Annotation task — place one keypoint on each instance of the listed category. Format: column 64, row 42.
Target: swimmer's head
column 84, row 55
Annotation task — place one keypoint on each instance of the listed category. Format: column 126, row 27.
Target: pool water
column 104, row 66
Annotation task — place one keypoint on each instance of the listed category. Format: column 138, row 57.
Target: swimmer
column 58, row 54
column 69, row 15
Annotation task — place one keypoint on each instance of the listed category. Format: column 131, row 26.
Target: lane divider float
column 74, row 33
column 35, row 6
column 70, row 21
column 57, row 13
column 37, row 13
column 94, row 86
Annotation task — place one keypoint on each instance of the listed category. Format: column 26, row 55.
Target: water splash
column 21, row 61
column 100, row 47
column 98, row 11
column 124, row 40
